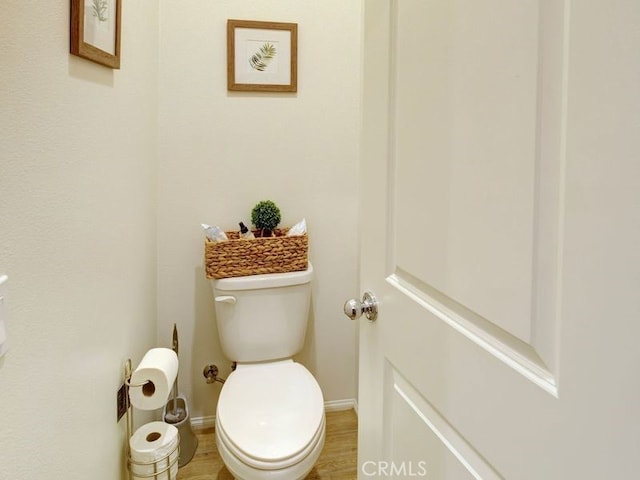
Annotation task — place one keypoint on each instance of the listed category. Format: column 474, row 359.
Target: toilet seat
column 240, row 456
column 271, row 415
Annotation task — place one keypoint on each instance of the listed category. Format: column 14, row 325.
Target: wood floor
column 337, row 460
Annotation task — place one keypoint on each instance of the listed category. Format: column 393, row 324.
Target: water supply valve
column 210, row 372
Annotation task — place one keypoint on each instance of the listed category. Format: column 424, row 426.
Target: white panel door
column 500, row 202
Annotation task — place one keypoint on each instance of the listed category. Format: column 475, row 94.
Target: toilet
column 270, row 421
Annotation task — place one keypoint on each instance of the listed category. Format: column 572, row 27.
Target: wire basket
column 162, row 468
column 239, row 257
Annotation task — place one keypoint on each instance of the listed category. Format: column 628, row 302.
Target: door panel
column 472, row 222
column 464, row 148
column 438, row 451
column 498, row 233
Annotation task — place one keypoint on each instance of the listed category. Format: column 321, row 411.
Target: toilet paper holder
column 130, row 461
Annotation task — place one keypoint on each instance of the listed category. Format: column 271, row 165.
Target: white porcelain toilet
column 270, row 421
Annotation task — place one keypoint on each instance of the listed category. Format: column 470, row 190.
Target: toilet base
column 241, row 471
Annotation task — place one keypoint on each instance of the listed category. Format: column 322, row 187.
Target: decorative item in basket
column 239, row 257
column 266, row 217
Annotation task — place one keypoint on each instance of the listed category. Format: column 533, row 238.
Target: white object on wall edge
column 3, row 314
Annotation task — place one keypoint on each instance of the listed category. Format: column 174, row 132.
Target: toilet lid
column 270, row 412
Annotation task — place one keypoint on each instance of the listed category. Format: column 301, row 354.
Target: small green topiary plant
column 266, row 217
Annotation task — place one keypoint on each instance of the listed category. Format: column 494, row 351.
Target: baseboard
column 338, row 405
column 203, row 422
column 329, row 406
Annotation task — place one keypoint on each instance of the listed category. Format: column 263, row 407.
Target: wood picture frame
column 262, row 56
column 95, row 31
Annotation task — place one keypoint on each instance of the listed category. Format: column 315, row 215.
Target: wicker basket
column 239, row 257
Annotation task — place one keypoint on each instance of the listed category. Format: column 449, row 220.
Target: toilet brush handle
column 175, row 398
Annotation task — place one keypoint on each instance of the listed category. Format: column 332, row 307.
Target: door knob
column 369, row 306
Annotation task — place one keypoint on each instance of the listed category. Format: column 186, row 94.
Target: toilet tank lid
column 269, row 280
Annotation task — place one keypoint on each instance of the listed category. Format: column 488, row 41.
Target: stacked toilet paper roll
column 154, row 448
column 152, row 381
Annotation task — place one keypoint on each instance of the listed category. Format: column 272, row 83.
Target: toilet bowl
column 270, row 421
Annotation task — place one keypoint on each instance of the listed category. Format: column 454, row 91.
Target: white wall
column 78, row 148
column 78, row 206
column 222, row 152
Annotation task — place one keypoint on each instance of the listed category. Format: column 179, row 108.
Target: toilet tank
column 262, row 317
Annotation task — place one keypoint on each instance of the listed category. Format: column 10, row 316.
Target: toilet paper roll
column 154, row 447
column 157, row 371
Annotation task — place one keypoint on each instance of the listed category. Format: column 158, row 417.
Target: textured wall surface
column 78, row 149
column 105, row 177
column 221, row 152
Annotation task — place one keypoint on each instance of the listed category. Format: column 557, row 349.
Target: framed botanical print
column 262, row 56
column 95, row 30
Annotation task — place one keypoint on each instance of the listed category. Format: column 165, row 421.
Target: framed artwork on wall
column 262, row 56
column 95, row 31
